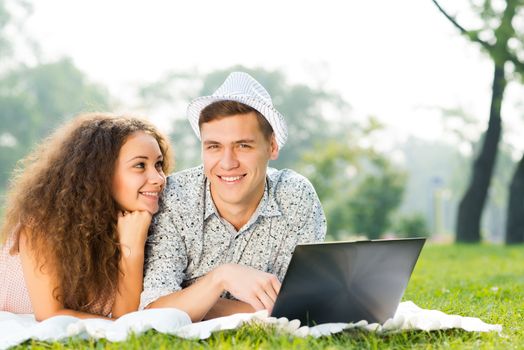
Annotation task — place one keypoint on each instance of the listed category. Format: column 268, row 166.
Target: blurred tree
column 413, row 225
column 497, row 36
column 331, row 168
column 303, row 108
column 375, row 199
column 358, row 187
column 34, row 100
column 515, row 220
column 462, row 136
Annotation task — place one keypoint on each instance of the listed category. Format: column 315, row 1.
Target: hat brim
column 274, row 117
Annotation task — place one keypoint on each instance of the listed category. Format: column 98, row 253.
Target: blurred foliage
column 376, row 198
column 330, row 168
column 413, row 225
column 359, row 188
column 35, row 100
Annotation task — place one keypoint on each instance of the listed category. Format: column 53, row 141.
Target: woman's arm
column 41, row 283
column 132, row 230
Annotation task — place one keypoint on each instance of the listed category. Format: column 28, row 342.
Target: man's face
column 235, row 155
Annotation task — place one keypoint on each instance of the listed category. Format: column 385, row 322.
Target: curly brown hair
column 60, row 196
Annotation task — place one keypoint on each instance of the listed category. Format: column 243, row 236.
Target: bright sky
column 397, row 60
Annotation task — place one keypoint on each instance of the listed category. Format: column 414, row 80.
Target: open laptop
column 347, row 281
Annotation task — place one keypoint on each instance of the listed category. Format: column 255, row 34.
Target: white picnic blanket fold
column 15, row 329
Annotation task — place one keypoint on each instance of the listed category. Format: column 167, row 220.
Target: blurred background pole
column 437, row 194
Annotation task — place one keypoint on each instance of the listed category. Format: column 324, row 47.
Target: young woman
column 77, row 216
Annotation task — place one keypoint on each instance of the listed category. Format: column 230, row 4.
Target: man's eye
column 212, row 147
column 244, row 145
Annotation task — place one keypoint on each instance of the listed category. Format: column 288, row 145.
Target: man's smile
column 231, row 179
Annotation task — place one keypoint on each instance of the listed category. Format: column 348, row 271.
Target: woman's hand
column 132, row 228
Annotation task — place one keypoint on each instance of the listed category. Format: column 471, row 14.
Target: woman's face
column 139, row 178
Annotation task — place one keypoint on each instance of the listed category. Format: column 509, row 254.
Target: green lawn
column 477, row 280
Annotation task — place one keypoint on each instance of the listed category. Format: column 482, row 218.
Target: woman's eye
column 140, row 165
column 159, row 164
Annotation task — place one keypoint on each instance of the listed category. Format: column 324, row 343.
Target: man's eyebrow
column 212, row 142
column 208, row 142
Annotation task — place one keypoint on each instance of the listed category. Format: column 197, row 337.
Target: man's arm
column 255, row 288
column 226, row 307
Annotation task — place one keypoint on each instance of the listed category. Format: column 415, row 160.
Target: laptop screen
column 347, row 281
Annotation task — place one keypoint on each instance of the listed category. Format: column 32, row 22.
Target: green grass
column 470, row 280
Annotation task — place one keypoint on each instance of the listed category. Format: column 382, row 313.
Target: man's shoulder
column 293, row 193
column 288, row 181
column 185, row 184
column 187, row 177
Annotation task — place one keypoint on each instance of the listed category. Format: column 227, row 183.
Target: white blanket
column 15, row 329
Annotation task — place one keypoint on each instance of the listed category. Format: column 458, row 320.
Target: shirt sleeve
column 166, row 258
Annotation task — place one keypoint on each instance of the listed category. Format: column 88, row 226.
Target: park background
column 387, row 102
column 397, row 114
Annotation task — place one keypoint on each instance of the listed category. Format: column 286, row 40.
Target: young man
column 228, row 228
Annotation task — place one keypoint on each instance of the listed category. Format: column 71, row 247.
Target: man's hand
column 258, row 289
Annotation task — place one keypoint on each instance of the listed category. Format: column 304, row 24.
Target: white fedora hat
column 241, row 87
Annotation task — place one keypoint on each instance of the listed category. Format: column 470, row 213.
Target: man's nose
column 229, row 159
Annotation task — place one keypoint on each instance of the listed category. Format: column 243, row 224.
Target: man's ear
column 274, row 148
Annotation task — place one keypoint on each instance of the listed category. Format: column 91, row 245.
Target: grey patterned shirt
column 188, row 238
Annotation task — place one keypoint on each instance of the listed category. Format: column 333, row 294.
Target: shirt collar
column 209, row 205
column 269, row 206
